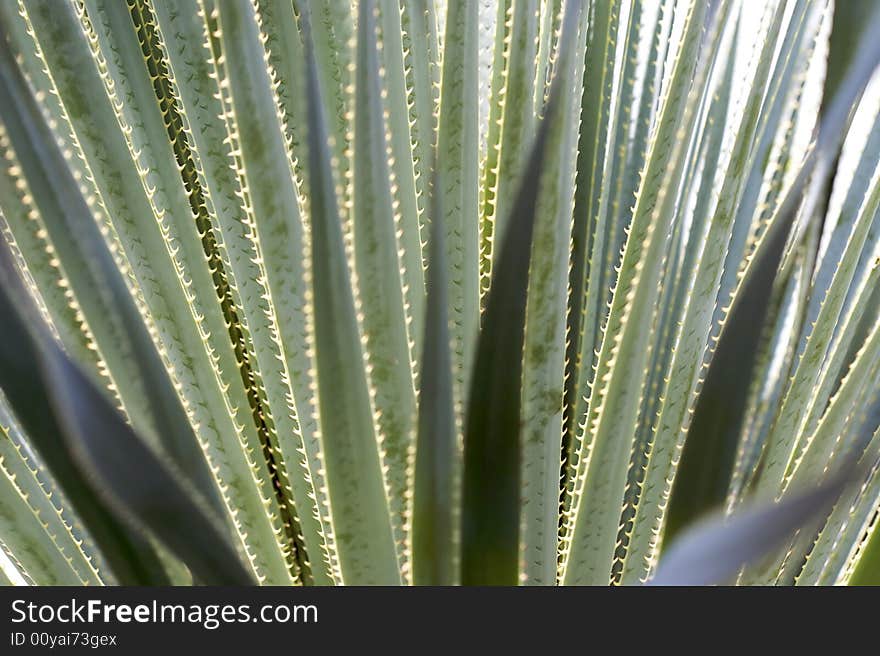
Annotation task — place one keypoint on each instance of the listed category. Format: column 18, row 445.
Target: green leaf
column 38, row 524
column 841, row 544
column 131, row 559
column 826, row 444
column 332, row 28
column 53, row 211
column 753, row 212
column 783, row 443
column 867, row 572
column 867, row 566
column 713, row 551
column 109, row 457
column 404, row 167
column 434, row 498
column 708, row 458
column 543, row 372
column 852, row 209
column 590, row 251
column 458, row 169
column 850, row 24
column 381, row 279
column 853, row 442
column 699, row 285
column 25, row 230
column 10, row 572
column 492, row 457
column 421, row 56
column 283, row 43
column 134, row 481
column 258, row 254
column 189, row 327
column 358, row 498
column 517, row 120
column 787, row 306
column 607, row 434
column 494, row 22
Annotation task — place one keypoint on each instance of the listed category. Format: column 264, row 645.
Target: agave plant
column 407, row 291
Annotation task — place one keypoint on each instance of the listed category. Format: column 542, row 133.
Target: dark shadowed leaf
column 433, row 516
column 714, row 550
column 710, row 450
column 850, row 19
column 490, row 503
column 107, row 471
column 132, row 559
column 136, row 485
column 707, row 460
column 103, row 290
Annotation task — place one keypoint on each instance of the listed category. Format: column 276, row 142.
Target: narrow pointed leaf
column 709, row 455
column 492, row 458
column 358, row 497
column 434, row 513
column 132, row 560
column 712, row 552
column 382, row 277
